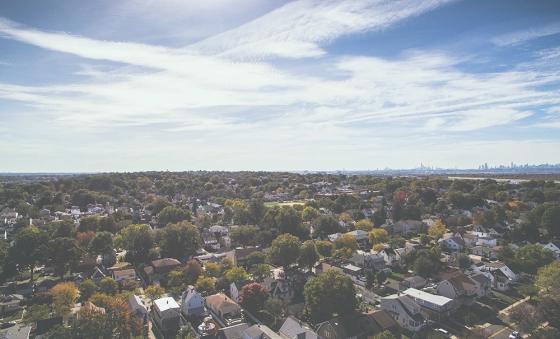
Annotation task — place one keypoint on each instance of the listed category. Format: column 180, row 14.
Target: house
column 259, row 331
column 136, row 306
column 434, row 307
column 166, row 315
column 361, row 236
column 488, row 241
column 18, row 331
column 414, row 282
column 10, row 303
column 218, row 231
column 407, row 226
column 278, row 286
column 452, row 242
column 192, row 303
column 389, row 256
column 159, row 268
column 227, row 310
column 483, row 284
column 459, row 287
column 124, row 275
column 405, row 311
column 486, row 252
column 385, row 322
column 356, row 326
column 233, row 331
column 498, row 272
column 234, row 292
column 240, row 254
column 296, row 329
column 554, row 247
column 368, row 260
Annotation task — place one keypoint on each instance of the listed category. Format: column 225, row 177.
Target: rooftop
column 433, row 298
column 167, row 303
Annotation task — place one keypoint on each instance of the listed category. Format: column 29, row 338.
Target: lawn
column 284, row 203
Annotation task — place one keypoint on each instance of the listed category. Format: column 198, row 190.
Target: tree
column 284, row 250
column 437, row 229
column 87, row 288
column 346, row 241
column 253, row 296
column 426, row 262
column 154, row 291
column 464, row 261
column 64, row 297
column 328, row 294
column 102, row 243
column 180, row 240
column 384, row 335
column 28, row 248
column 308, row 254
column 212, row 269
column 378, row 235
column 172, row 215
column 309, row 213
column 548, row 280
column 244, row 235
column 288, row 220
column 62, row 254
column 550, row 220
column 108, row 285
column 364, row 225
column 260, row 271
column 35, row 313
column 529, row 258
column 256, row 258
column 325, row 225
column 236, row 275
column 206, row 285
column 324, row 248
column 137, row 239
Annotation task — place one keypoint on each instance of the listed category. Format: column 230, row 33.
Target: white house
column 452, row 242
column 434, row 306
column 406, row 312
column 389, row 256
column 553, row 247
column 166, row 314
column 192, row 303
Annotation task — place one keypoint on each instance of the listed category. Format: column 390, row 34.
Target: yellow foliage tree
column 378, row 235
column 64, row 297
column 437, row 229
column 364, row 225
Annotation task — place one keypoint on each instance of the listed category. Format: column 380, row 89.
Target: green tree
column 324, row 248
column 206, row 285
column 108, row 285
column 308, row 254
column 550, row 220
column 236, row 275
column 36, row 312
column 284, row 250
column 64, row 297
column 154, row 291
column 180, row 240
column 548, row 280
column 173, row 215
column 328, row 294
column 137, row 239
column 87, row 288
column 29, row 248
column 324, row 225
column 260, row 271
column 63, row 255
column 102, row 243
column 346, row 241
column 309, row 213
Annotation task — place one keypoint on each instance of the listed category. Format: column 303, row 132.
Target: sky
column 132, row 85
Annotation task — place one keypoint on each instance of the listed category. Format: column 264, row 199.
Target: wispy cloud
column 521, row 36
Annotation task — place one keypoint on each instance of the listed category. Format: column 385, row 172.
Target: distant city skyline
column 138, row 85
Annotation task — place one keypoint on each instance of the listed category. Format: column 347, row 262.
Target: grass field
column 284, row 203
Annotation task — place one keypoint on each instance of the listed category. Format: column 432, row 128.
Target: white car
column 514, row 335
column 442, row 331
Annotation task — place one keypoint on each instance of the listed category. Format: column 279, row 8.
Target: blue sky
column 269, row 85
